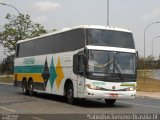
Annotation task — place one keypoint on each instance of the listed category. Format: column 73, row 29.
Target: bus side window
column 81, row 65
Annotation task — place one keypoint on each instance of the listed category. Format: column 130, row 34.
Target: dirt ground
column 6, row 78
column 147, row 84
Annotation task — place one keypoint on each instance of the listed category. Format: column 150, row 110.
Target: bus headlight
column 132, row 88
column 93, row 87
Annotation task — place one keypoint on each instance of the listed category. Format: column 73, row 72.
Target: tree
column 7, row 65
column 149, row 62
column 18, row 28
column 140, row 63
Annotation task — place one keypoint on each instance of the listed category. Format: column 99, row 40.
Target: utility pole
column 107, row 12
column 20, row 34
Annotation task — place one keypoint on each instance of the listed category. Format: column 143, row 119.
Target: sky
column 134, row 15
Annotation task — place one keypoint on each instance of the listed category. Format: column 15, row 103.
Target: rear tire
column 30, row 88
column 24, row 87
column 110, row 102
column 70, row 94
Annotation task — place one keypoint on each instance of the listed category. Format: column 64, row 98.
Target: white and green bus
column 83, row 62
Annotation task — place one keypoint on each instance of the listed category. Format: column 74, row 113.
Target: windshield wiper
column 121, row 76
column 104, row 66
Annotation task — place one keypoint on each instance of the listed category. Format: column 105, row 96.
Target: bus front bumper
column 99, row 94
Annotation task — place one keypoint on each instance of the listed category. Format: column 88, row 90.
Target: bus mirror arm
column 137, row 54
column 137, row 58
column 84, row 60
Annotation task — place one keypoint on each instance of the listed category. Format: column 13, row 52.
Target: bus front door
column 81, row 78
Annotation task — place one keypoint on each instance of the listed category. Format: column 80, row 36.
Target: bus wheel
column 24, row 87
column 69, row 94
column 30, row 87
column 110, row 102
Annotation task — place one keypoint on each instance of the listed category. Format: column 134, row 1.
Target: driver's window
column 81, row 64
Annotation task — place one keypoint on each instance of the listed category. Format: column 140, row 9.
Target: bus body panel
column 59, row 69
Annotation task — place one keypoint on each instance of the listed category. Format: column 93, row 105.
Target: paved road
column 12, row 101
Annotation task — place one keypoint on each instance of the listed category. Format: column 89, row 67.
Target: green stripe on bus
column 29, row 69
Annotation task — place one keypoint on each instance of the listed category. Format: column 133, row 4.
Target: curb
column 145, row 96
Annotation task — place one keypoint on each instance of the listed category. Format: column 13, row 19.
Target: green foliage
column 150, row 63
column 7, row 65
column 18, row 28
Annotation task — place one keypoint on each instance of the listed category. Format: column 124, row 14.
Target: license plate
column 113, row 95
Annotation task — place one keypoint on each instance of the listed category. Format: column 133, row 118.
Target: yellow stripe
column 35, row 76
column 127, row 84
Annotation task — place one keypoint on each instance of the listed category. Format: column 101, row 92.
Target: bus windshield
column 111, row 64
column 110, row 38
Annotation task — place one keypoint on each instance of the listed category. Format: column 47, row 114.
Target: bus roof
column 77, row 27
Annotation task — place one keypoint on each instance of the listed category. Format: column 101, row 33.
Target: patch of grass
column 148, row 73
column 6, row 79
column 147, row 84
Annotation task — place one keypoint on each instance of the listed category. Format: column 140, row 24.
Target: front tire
column 70, row 94
column 30, row 88
column 110, row 102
